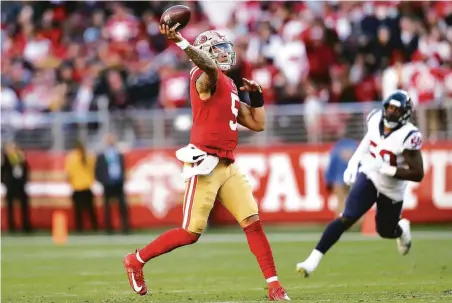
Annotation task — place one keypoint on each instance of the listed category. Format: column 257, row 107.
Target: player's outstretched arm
column 363, row 146
column 201, row 59
column 353, row 164
column 252, row 117
column 415, row 170
column 360, row 151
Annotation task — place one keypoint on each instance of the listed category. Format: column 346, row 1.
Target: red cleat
column 277, row 294
column 134, row 269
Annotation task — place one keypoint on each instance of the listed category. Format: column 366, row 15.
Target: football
column 176, row 16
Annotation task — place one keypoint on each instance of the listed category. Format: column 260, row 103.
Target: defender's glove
column 380, row 165
column 385, row 168
column 350, row 175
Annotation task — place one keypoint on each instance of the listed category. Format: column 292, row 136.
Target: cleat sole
column 303, row 271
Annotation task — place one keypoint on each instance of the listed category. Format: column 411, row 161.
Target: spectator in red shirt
column 50, row 29
column 174, row 92
column 363, row 81
column 266, row 74
column 121, row 26
column 341, row 90
column 320, row 55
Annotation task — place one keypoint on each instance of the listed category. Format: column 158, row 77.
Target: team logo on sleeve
column 416, row 141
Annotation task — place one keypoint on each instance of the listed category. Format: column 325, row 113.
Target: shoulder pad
column 371, row 114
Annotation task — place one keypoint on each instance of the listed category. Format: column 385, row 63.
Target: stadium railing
column 286, row 124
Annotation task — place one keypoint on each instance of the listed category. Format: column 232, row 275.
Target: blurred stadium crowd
column 61, row 55
column 82, row 56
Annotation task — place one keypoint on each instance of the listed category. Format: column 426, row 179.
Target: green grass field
column 220, row 268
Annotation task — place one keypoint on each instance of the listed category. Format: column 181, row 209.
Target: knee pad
column 250, row 220
column 197, row 226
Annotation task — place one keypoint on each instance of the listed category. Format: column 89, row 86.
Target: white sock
column 272, row 279
column 139, row 258
column 315, row 257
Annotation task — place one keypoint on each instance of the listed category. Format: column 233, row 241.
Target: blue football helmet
column 402, row 101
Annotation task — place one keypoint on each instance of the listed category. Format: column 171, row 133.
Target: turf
column 220, row 268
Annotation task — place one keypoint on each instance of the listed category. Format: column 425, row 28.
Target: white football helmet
column 218, row 47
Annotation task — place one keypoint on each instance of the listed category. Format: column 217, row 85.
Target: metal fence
column 169, row 128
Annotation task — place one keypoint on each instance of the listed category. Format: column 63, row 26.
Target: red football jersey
column 214, row 127
column 174, row 90
column 425, row 82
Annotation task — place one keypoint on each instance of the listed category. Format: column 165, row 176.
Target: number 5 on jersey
column 235, row 111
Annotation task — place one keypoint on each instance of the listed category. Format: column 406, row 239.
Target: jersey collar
column 382, row 129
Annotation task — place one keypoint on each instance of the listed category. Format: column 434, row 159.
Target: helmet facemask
column 391, row 115
column 394, row 115
column 223, row 55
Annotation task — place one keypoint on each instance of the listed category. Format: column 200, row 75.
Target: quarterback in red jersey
column 209, row 170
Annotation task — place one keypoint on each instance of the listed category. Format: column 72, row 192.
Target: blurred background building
column 79, row 70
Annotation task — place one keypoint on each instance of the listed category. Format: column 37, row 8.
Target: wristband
column 256, row 99
column 183, row 44
column 388, row 170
